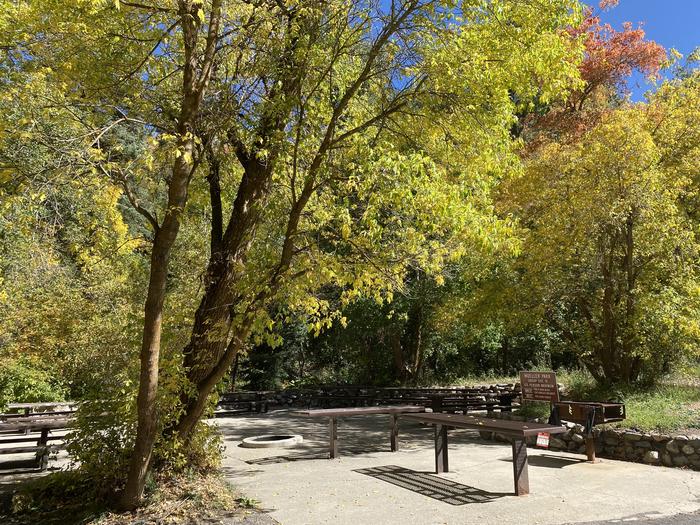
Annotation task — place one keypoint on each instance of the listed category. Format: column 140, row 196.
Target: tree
column 317, row 151
column 303, row 118
column 610, row 253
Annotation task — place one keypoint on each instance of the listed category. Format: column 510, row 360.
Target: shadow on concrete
column 286, row 458
column 548, row 461
column 431, row 485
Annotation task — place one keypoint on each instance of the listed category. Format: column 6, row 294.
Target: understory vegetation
column 198, row 195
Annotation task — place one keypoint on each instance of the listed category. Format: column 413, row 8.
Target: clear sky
column 671, row 23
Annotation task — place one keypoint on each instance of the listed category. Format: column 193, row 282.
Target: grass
column 672, row 406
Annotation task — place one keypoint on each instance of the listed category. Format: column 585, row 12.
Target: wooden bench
column 39, row 423
column 517, row 431
column 334, row 413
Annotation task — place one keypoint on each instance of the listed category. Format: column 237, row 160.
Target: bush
column 22, row 381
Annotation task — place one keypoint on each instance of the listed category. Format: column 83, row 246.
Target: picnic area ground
column 368, row 484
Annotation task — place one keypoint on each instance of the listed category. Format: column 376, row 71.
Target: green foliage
column 23, row 381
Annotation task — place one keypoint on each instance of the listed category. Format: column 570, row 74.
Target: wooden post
column 441, row 461
column 394, row 432
column 520, row 477
column 333, row 437
column 42, row 455
column 590, row 449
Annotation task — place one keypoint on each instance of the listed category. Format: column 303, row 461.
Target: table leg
column 441, row 462
column 394, row 432
column 43, row 455
column 520, row 478
column 333, row 437
column 590, row 449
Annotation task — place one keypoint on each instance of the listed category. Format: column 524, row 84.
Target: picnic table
column 41, row 424
column 334, row 413
column 516, row 431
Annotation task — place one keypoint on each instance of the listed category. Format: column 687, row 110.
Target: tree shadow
column 430, row 485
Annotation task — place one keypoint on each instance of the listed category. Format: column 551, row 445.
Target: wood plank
column 358, row 411
column 503, row 426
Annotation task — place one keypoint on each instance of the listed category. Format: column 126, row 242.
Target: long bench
column 517, row 431
column 443, row 399
column 334, row 413
column 43, row 424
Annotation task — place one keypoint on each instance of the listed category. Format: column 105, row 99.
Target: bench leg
column 333, row 437
column 42, row 456
column 520, row 477
column 590, row 449
column 441, row 462
column 394, row 432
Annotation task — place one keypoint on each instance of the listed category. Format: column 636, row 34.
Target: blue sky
column 671, row 23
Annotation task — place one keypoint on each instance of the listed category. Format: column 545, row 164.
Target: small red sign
column 543, row 440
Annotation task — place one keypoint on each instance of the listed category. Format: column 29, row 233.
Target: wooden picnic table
column 334, row 413
column 41, row 424
column 516, row 431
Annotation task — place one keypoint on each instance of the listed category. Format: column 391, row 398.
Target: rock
column 610, row 440
column 579, row 429
column 667, row 460
column 632, row 436
column 659, row 437
column 672, row 446
column 577, row 438
column 557, row 443
column 680, row 461
column 485, row 435
column 688, row 450
column 642, row 444
column 570, row 425
column 572, row 446
column 682, row 439
column 652, row 456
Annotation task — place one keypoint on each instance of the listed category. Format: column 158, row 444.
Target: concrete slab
column 368, row 484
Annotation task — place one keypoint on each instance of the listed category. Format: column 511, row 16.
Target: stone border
column 622, row 444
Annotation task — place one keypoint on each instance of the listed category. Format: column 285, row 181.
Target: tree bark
column 194, row 86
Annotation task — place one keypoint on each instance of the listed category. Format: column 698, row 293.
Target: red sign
column 539, row 386
column 543, row 440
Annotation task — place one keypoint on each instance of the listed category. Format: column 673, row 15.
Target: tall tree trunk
column 193, row 88
column 414, row 339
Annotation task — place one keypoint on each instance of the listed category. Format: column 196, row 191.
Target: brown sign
column 539, row 386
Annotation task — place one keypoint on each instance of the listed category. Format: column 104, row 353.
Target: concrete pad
column 368, row 484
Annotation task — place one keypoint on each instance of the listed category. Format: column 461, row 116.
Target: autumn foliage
column 610, row 57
